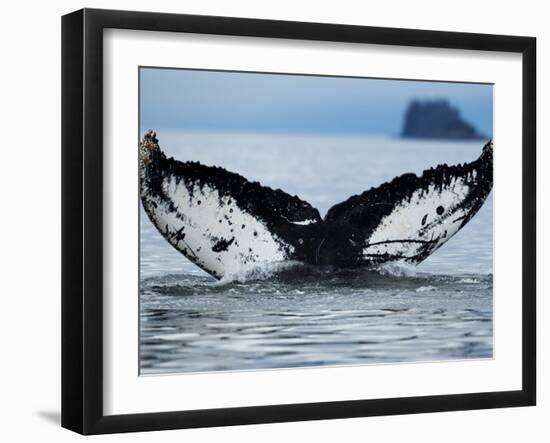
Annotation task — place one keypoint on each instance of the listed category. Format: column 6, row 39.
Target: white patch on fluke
column 304, row 222
column 212, row 231
column 412, row 223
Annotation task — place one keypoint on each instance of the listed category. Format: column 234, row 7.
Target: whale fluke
column 223, row 223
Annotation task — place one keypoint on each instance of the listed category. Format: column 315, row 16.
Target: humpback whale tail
column 223, row 223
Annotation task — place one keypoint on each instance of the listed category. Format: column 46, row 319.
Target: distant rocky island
column 437, row 119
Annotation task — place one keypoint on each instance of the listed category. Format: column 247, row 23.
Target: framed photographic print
column 269, row 221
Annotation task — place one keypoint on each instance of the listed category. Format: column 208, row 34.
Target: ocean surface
column 305, row 316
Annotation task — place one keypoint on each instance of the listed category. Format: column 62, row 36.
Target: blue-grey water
column 439, row 310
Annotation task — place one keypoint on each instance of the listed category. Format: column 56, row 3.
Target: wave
column 398, row 269
column 259, row 272
column 290, row 270
column 293, row 277
column 426, row 288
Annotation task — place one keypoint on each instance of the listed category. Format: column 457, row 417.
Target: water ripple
column 192, row 323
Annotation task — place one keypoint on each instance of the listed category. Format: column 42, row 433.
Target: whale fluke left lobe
column 218, row 219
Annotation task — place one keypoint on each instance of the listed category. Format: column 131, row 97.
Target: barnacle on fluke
column 196, row 208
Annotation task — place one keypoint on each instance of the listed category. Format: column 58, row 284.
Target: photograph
column 294, row 221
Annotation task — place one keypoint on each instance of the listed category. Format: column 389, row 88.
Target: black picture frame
column 82, row 215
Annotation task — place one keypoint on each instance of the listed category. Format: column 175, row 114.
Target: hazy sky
column 174, row 99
